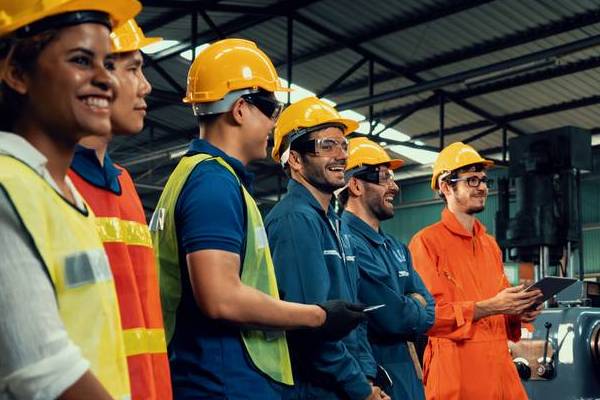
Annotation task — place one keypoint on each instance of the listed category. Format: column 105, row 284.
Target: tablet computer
column 551, row 285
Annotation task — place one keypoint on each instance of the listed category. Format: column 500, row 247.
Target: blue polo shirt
column 104, row 176
column 207, row 357
column 314, row 263
column 387, row 277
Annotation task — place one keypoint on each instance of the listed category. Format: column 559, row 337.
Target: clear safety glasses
column 322, row 146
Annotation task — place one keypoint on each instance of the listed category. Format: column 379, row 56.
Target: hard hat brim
column 395, row 164
column 350, row 124
column 119, row 12
column 149, row 40
column 192, row 98
column 137, row 46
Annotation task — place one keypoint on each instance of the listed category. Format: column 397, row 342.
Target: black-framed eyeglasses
column 268, row 105
column 321, row 146
column 378, row 176
column 474, row 181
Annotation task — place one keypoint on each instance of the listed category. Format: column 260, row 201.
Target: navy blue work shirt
column 388, row 277
column 207, row 357
column 104, row 176
column 314, row 263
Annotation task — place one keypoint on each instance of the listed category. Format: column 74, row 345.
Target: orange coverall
column 465, row 359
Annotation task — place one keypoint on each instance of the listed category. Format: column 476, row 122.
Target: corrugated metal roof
column 476, row 25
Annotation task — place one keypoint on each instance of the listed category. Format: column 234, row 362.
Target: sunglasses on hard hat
column 266, row 104
column 474, row 181
column 321, row 146
column 378, row 176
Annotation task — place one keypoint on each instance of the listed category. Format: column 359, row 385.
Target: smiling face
column 67, row 92
column 129, row 108
column 378, row 199
column 466, row 199
column 325, row 171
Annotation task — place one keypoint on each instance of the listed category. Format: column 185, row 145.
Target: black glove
column 342, row 317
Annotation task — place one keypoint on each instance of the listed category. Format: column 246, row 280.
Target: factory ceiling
column 419, row 73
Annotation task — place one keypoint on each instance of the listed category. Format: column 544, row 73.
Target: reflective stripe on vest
column 71, row 251
column 268, row 351
column 121, row 224
column 112, row 229
column 144, row 341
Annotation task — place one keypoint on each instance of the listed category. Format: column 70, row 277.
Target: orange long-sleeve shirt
column 465, row 359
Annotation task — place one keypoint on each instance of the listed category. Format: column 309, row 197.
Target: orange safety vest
column 465, row 359
column 122, row 227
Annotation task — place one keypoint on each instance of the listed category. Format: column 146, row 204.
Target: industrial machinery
column 560, row 360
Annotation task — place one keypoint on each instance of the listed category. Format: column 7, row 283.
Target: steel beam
column 521, row 115
column 442, row 101
column 371, row 93
column 244, row 22
column 400, row 118
column 290, row 54
column 161, row 20
column 170, row 16
column 211, row 24
column 488, row 46
column 331, row 87
column 423, row 16
column 148, row 61
column 191, row 6
column 504, row 144
column 440, row 83
column 349, row 43
column 194, row 31
column 509, row 83
column 482, row 134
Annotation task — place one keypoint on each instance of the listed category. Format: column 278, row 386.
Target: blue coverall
column 387, row 277
column 314, row 263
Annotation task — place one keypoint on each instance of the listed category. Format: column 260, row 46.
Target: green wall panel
column 418, row 209
column 591, row 251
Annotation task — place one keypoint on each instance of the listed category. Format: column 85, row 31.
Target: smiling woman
column 70, row 62
column 57, row 296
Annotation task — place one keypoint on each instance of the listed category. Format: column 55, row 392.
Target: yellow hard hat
column 129, row 37
column 16, row 14
column 455, row 156
column 309, row 112
column 229, row 65
column 363, row 152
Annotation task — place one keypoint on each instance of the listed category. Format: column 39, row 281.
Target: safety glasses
column 474, row 181
column 267, row 105
column 379, row 176
column 321, row 146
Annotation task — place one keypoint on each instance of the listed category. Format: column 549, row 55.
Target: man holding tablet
column 476, row 311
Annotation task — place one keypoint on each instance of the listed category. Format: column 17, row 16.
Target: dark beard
column 316, row 177
column 383, row 214
column 475, row 210
column 321, row 184
column 378, row 208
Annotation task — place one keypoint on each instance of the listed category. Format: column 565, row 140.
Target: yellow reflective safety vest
column 71, row 251
column 267, row 350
